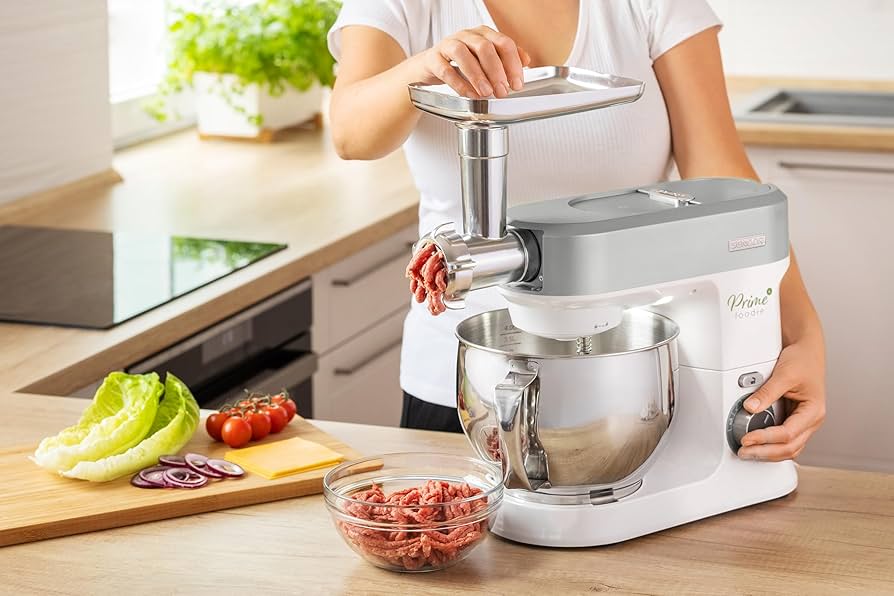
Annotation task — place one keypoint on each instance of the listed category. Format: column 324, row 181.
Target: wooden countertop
column 810, row 136
column 835, row 534
column 298, row 192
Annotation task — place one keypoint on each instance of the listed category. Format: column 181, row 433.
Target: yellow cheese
column 282, row 458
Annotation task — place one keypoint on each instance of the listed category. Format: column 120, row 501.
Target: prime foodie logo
column 747, row 306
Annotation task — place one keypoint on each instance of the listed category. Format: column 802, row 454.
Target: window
column 136, row 66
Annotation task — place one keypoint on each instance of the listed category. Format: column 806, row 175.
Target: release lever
column 669, row 197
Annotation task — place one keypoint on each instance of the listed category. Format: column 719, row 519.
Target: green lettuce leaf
column 172, row 428
column 119, row 417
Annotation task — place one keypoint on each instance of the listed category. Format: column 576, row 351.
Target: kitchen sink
column 807, row 106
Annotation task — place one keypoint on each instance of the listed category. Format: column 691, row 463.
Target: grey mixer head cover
column 632, row 238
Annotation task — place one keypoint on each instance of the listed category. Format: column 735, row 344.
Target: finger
column 805, row 417
column 766, row 394
column 489, row 60
column 510, row 57
column 776, row 451
column 446, row 73
column 524, row 56
column 468, row 65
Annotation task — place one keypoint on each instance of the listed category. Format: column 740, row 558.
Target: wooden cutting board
column 36, row 504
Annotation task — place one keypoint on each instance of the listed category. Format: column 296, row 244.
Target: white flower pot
column 217, row 116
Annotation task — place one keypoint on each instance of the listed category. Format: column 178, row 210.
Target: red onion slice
column 174, row 461
column 140, row 482
column 224, row 468
column 195, row 460
column 184, row 478
column 154, row 476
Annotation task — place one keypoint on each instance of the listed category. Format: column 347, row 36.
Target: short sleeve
column 671, row 22
column 388, row 16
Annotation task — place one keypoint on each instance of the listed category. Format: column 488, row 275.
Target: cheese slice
column 282, row 458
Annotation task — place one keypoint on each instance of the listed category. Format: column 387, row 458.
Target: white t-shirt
column 617, row 147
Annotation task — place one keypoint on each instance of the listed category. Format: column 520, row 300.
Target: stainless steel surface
column 584, row 345
column 740, row 421
column 801, row 106
column 585, row 422
column 474, row 262
column 516, row 402
column 831, row 167
column 218, row 329
column 482, row 154
column 548, row 91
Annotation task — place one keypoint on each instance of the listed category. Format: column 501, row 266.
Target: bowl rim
column 494, row 490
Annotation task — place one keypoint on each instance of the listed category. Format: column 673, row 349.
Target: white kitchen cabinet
column 359, row 308
column 360, row 380
column 360, row 291
column 841, row 216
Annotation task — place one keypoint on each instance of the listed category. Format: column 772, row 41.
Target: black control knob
column 740, row 422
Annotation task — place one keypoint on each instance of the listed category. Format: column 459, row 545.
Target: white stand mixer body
column 729, row 327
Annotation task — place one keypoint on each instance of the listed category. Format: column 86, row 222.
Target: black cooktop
column 96, row 280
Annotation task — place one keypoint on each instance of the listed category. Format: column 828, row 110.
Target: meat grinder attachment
column 487, row 253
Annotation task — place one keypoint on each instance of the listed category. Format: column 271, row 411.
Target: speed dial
column 740, row 422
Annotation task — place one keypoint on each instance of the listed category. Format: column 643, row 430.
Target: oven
column 265, row 348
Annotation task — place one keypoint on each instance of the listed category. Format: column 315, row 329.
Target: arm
column 705, row 143
column 370, row 111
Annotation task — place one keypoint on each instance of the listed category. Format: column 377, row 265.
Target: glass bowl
column 413, row 511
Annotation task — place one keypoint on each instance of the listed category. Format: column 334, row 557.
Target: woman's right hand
column 490, row 61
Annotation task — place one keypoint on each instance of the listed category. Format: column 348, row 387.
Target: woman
column 683, row 116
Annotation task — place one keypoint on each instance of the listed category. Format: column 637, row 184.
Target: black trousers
column 427, row 416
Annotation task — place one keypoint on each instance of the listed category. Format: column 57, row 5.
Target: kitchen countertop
column 834, row 534
column 808, row 136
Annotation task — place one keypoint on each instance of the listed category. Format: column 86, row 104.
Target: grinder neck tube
column 482, row 151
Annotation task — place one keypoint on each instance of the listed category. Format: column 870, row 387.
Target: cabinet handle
column 344, row 283
column 348, row 371
column 793, row 165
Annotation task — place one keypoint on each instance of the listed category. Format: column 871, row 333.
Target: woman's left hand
column 799, row 375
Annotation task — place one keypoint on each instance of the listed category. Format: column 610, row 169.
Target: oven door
column 290, row 367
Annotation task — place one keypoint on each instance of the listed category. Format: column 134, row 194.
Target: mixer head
column 570, row 267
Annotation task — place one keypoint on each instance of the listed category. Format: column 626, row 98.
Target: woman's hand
column 489, row 60
column 799, row 376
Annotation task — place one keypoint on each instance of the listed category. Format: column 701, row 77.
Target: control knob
column 740, row 422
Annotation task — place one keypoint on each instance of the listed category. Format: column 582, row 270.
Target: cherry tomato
column 290, row 407
column 236, row 432
column 245, row 403
column 278, row 398
column 214, row 423
column 278, row 417
column 260, row 425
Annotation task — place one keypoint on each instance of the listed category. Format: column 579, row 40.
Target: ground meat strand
column 416, row 548
column 427, row 272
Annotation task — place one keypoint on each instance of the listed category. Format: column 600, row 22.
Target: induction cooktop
column 96, row 280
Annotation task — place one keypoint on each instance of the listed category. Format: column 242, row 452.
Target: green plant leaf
column 272, row 43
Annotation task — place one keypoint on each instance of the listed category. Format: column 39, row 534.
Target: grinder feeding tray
column 485, row 253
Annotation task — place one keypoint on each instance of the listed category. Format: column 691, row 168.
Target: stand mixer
column 638, row 321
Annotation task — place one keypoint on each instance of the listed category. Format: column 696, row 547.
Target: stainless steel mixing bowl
column 567, row 418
